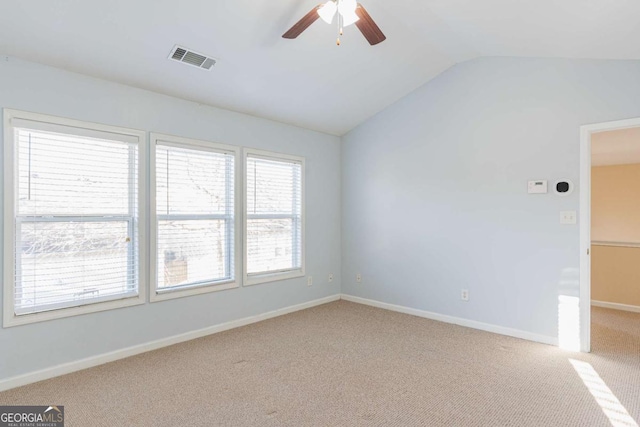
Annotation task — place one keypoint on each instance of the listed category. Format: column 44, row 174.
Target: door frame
column 585, row 222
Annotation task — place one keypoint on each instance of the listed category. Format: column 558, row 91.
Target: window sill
column 167, row 294
column 272, row 277
column 11, row 319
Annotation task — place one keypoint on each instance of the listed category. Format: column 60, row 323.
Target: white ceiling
column 617, row 147
column 309, row 81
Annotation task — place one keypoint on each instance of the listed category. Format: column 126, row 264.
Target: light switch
column 537, row 187
column 568, row 217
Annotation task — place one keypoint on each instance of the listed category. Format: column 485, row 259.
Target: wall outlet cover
column 568, row 217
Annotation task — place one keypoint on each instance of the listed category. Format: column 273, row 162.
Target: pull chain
column 339, row 25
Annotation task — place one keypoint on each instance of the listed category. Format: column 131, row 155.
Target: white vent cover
column 182, row 54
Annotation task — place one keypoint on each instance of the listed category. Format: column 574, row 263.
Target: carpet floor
column 345, row 364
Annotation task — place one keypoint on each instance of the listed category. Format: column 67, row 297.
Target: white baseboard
column 517, row 333
column 616, row 306
column 89, row 362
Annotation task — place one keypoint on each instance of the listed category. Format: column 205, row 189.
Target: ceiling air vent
column 190, row 57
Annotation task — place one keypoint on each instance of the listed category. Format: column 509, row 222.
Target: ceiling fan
column 348, row 12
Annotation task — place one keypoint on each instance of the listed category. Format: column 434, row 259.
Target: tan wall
column 615, row 217
column 615, row 275
column 615, row 203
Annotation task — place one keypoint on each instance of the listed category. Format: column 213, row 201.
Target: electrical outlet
column 464, row 295
column 330, row 277
column 309, row 280
column 359, row 278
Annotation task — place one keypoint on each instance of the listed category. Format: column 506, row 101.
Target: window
column 274, row 221
column 72, row 211
column 194, row 217
column 75, row 212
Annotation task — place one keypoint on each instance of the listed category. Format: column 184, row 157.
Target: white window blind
column 76, row 219
column 195, row 217
column 274, row 215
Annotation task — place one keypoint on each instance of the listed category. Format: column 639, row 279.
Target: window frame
column 81, row 128
column 255, row 279
column 156, row 294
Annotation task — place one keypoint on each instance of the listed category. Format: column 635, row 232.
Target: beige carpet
column 344, row 364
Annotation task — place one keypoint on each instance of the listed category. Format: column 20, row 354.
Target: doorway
column 612, row 146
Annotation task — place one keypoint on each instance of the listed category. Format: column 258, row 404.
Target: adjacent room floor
column 345, row 364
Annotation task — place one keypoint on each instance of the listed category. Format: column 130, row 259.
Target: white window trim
column 44, row 122
column 249, row 280
column 156, row 294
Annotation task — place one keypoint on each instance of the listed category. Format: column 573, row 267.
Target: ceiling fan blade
column 302, row 24
column 368, row 27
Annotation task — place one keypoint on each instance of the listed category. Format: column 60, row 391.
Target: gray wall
column 36, row 88
column 434, row 188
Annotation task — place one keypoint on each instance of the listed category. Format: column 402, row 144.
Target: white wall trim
column 67, row 368
column 616, row 244
column 616, row 306
column 502, row 330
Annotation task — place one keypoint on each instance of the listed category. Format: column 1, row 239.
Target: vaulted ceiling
column 309, row 82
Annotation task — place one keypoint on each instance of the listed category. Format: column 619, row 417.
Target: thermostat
column 564, row 187
column 537, row 187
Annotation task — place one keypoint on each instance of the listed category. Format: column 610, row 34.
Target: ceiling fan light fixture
column 347, row 7
column 350, row 11
column 327, row 11
column 349, row 18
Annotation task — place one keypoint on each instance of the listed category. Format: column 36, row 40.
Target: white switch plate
column 537, row 187
column 309, row 280
column 568, row 217
column 359, row 278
